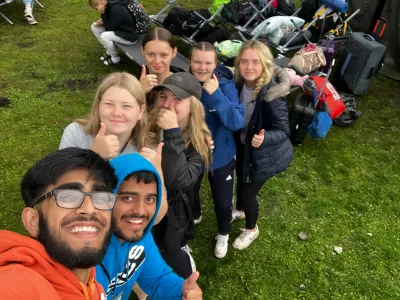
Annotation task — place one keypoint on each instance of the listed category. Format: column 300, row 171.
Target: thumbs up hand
column 190, row 288
column 107, row 146
column 167, row 118
column 211, row 85
column 147, row 81
column 153, row 156
column 258, row 139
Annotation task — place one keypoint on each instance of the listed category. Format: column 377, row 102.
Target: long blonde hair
column 266, row 59
column 91, row 124
column 196, row 133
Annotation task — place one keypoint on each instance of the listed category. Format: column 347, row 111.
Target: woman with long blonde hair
column 117, row 123
column 263, row 145
column 178, row 120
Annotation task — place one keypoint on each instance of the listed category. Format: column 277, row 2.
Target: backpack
column 216, row 4
column 308, row 10
column 240, row 12
column 228, row 48
column 286, row 7
column 182, row 21
column 329, row 49
column 142, row 19
column 307, row 59
column 218, row 34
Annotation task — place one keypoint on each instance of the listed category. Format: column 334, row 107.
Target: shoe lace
column 221, row 239
column 187, row 249
column 245, row 235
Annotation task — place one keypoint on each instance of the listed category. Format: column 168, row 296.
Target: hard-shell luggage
column 359, row 62
column 301, row 115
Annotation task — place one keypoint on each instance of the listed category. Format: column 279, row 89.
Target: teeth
column 83, row 229
column 135, row 221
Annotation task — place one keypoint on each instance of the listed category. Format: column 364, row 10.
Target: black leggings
column 246, row 193
column 221, row 183
column 179, row 261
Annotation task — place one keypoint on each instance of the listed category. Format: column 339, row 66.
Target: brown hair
column 203, row 46
column 140, row 135
column 160, row 34
column 94, row 3
column 266, row 59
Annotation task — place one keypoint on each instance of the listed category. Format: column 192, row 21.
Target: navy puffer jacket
column 270, row 113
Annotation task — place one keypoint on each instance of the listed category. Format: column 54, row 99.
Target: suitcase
column 301, row 115
column 359, row 62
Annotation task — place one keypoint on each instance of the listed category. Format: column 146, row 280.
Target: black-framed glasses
column 75, row 198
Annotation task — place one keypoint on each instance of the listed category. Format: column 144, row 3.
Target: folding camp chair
column 343, row 29
column 3, row 15
column 158, row 19
column 246, row 30
column 134, row 53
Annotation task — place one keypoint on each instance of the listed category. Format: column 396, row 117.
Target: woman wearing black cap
column 178, row 119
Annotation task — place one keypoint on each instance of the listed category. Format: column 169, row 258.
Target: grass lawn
column 343, row 191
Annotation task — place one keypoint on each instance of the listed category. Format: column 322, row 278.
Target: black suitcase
column 300, row 117
column 359, row 62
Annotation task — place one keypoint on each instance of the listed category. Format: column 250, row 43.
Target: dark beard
column 62, row 253
column 118, row 231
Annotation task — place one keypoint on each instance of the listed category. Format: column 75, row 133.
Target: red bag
column 329, row 98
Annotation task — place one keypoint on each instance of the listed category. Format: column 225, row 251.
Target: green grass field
column 343, row 191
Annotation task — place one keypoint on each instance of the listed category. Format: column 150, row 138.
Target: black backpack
column 308, row 10
column 238, row 12
column 286, row 7
column 218, row 34
column 182, row 21
column 142, row 20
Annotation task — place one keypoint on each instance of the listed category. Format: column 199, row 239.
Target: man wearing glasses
column 132, row 254
column 68, row 215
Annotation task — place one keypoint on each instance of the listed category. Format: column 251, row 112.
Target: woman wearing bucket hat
column 178, row 120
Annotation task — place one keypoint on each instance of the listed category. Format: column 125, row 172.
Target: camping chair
column 246, row 30
column 3, row 15
column 158, row 19
column 343, row 29
column 134, row 52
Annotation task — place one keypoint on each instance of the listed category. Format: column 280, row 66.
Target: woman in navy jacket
column 224, row 115
column 263, row 145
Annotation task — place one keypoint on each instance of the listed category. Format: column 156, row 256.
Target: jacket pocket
column 260, row 159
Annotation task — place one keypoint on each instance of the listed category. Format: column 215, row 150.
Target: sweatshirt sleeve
column 180, row 170
column 226, row 103
column 35, row 286
column 73, row 136
column 278, row 118
column 156, row 278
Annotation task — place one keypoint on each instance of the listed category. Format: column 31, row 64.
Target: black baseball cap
column 182, row 84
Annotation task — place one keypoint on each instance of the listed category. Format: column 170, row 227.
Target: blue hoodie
column 224, row 115
column 140, row 261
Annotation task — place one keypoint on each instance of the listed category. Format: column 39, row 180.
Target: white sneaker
column 221, row 248
column 29, row 16
column 198, row 220
column 188, row 251
column 238, row 215
column 245, row 238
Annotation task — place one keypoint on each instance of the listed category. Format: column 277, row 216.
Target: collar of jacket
column 279, row 87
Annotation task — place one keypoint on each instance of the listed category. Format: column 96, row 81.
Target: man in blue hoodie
column 132, row 255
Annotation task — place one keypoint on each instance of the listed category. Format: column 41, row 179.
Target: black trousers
column 179, row 261
column 246, row 193
column 221, row 183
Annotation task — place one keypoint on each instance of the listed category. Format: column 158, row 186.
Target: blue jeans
column 31, row 2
